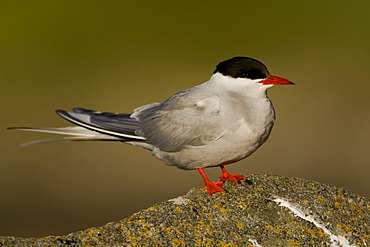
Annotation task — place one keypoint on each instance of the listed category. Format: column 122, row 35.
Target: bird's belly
column 235, row 144
column 245, row 141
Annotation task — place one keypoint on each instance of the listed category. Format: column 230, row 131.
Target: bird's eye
column 243, row 74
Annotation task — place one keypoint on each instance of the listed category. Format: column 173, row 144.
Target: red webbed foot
column 227, row 176
column 212, row 187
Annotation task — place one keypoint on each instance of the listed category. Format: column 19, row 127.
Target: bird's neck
column 241, row 86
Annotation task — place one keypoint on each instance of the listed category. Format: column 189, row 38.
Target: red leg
column 212, row 187
column 227, row 176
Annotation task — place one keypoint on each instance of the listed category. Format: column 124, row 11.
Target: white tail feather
column 73, row 134
column 74, row 131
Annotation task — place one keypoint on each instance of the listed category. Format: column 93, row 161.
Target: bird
column 216, row 123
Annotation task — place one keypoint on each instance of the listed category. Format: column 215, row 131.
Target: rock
column 262, row 211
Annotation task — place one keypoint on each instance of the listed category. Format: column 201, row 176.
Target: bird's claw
column 213, row 187
column 233, row 177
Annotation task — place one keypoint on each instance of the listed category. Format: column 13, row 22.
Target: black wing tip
column 75, row 110
column 61, row 113
column 21, row 128
column 79, row 109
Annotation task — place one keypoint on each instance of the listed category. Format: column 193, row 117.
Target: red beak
column 276, row 81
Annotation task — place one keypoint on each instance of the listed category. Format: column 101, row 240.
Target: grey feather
column 189, row 118
column 119, row 125
column 119, row 122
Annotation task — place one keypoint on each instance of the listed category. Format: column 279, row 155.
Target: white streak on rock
column 254, row 242
column 179, row 200
column 336, row 241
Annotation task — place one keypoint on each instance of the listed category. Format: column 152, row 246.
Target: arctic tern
column 216, row 123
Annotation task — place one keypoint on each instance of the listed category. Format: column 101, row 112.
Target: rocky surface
column 263, row 211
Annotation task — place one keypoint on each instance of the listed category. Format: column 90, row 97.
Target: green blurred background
column 117, row 55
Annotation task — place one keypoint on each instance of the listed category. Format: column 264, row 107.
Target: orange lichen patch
column 228, row 245
column 280, row 229
column 340, row 192
column 239, row 224
column 321, row 232
column 147, row 229
column 357, row 209
column 311, row 232
column 90, row 234
column 329, row 213
column 348, row 229
column 178, row 242
column 49, row 237
column 354, row 220
column 366, row 236
column 294, row 243
column 292, row 223
column 321, row 199
column 203, row 242
column 314, row 232
column 220, row 243
column 178, row 209
column 258, row 188
column 269, row 227
column 224, row 210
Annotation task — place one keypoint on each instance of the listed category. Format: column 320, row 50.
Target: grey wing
column 113, row 124
column 189, row 118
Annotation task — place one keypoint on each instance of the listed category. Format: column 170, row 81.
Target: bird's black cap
column 242, row 67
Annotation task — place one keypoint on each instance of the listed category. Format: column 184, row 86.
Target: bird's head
column 251, row 69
